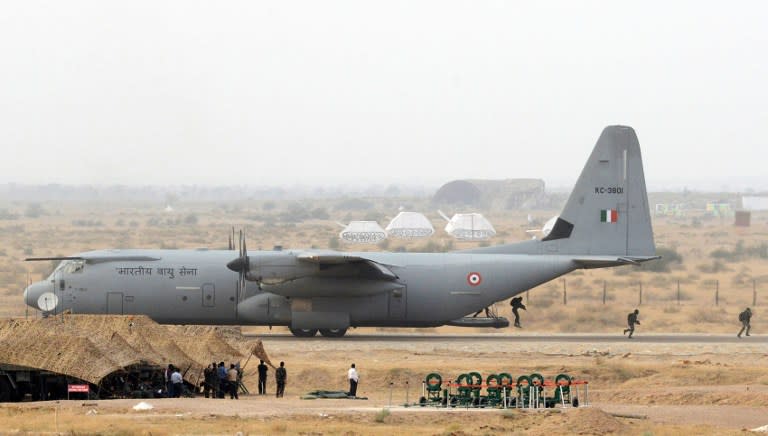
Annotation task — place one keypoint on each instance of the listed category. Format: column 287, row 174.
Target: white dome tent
column 363, row 232
column 410, row 225
column 469, row 227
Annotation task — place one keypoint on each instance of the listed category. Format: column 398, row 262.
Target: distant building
column 470, row 227
column 492, row 194
column 753, row 202
column 742, row 218
column 669, row 209
column 410, row 225
column 719, row 208
column 363, row 232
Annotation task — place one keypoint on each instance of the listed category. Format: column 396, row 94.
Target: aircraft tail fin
column 607, row 212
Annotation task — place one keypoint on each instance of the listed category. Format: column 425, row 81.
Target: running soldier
column 517, row 303
column 631, row 321
column 745, row 317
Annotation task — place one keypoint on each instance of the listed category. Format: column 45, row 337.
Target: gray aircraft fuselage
column 605, row 222
column 196, row 287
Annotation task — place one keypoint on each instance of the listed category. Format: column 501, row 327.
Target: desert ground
column 711, row 270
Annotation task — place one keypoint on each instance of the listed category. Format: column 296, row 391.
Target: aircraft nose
column 33, row 293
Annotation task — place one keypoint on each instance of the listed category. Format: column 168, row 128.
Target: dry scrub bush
column 708, row 315
column 604, row 371
column 381, row 416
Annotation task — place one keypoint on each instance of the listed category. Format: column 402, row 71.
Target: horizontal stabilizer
column 587, row 262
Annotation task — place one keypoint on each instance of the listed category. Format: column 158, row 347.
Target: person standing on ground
column 221, row 372
column 262, row 377
column 745, row 318
column 232, row 380
column 631, row 321
column 167, row 378
column 281, row 375
column 176, row 382
column 214, row 380
column 208, row 375
column 517, row 303
column 353, row 377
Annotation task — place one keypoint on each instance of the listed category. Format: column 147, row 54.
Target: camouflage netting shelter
column 90, row 347
column 492, row 194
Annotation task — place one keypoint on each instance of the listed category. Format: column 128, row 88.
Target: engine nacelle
column 265, row 308
column 272, row 268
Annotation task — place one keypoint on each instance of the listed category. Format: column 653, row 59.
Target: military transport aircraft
column 605, row 223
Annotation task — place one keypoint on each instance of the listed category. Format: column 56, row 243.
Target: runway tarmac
column 581, row 338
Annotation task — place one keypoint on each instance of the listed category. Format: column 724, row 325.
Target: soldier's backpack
column 742, row 316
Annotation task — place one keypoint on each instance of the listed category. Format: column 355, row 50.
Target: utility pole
column 565, row 294
column 604, row 286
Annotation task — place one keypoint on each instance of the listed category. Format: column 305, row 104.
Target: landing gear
column 333, row 333
column 303, row 333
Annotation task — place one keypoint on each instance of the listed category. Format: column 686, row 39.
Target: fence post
column 603, row 292
column 640, row 293
column 717, row 292
column 565, row 294
column 678, row 292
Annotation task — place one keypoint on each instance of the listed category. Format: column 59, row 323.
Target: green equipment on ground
column 537, row 389
column 563, row 391
column 477, row 386
column 507, row 382
column 523, row 391
column 433, row 386
column 493, row 388
column 314, row 395
column 503, row 390
column 464, row 390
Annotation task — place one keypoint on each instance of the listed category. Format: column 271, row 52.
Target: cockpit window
column 75, row 266
column 68, row 267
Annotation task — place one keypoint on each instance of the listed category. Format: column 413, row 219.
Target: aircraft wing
column 322, row 274
column 328, row 259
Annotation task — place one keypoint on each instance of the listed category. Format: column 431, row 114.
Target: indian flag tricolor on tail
column 609, row 215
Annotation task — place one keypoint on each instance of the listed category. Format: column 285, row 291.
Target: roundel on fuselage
column 474, row 278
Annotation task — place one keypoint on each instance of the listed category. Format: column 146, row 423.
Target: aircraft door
column 209, row 295
column 397, row 303
column 114, row 303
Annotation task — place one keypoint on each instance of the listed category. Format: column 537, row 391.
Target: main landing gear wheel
column 333, row 333
column 303, row 333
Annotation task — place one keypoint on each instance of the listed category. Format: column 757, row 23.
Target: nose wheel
column 303, row 333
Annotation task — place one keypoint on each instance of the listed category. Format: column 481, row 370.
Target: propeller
column 242, row 266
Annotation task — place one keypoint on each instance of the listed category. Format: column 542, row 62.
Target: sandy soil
column 635, row 388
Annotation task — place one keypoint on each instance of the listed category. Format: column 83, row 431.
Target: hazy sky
column 297, row 92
